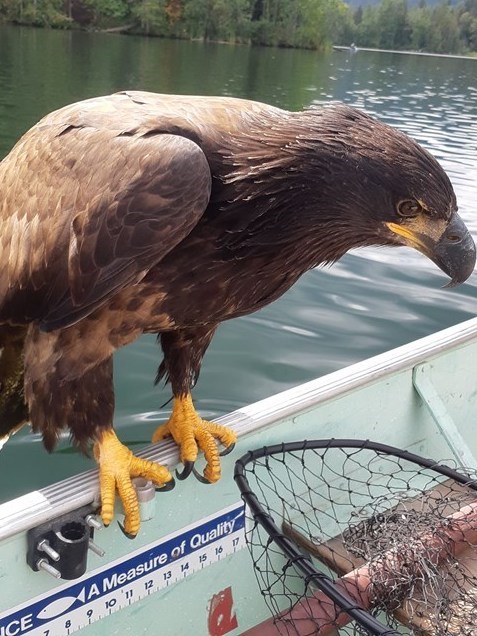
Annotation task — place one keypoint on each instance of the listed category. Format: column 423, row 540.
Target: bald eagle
column 141, row 213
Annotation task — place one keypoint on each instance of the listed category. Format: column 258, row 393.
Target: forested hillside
column 315, row 24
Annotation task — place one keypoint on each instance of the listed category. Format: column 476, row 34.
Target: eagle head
column 382, row 188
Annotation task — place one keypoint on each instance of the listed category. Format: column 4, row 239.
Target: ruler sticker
column 129, row 579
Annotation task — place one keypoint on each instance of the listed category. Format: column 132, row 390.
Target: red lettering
column 222, row 618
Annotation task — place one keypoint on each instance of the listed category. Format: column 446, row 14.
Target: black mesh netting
column 388, row 535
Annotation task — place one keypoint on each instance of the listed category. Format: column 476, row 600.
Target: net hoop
column 301, row 561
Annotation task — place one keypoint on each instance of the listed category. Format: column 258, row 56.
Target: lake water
column 372, row 300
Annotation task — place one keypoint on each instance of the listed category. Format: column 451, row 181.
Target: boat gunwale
column 25, row 512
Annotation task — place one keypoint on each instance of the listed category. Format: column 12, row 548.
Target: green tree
column 467, row 22
column 394, row 29
column 291, row 23
column 444, row 35
column 322, row 22
column 109, row 12
column 304, row 23
column 217, row 19
column 151, row 16
column 420, row 20
column 368, row 30
column 37, row 12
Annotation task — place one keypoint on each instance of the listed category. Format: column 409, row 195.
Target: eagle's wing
column 104, row 209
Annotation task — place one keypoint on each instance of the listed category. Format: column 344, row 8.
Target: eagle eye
column 409, row 209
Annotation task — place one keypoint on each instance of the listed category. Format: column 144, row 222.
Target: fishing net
column 355, row 537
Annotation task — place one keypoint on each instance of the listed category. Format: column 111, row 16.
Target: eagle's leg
column 183, row 352
column 117, row 465
column 192, row 433
column 64, row 384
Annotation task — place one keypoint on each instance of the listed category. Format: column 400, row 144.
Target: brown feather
column 140, row 213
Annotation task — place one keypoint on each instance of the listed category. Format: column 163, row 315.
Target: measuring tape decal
column 127, row 580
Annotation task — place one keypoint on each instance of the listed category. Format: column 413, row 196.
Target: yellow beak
column 410, row 238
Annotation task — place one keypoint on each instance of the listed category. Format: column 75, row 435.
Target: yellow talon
column 117, row 465
column 192, row 433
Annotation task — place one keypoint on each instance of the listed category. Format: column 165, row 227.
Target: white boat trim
column 23, row 513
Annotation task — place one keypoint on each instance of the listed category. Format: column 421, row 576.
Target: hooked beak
column 449, row 245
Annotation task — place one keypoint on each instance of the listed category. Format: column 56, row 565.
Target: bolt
column 93, row 522
column 43, row 564
column 96, row 549
column 44, row 546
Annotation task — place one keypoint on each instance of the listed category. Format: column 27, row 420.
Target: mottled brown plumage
column 140, row 213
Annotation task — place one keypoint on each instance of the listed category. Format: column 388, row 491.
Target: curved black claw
column 200, row 477
column 128, row 535
column 227, row 450
column 169, row 485
column 188, row 468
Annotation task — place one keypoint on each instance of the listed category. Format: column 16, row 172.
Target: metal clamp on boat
column 60, row 547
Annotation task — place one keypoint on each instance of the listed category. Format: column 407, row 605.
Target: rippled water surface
column 372, row 300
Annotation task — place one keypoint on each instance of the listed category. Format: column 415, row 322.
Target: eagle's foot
column 117, row 466
column 192, row 433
